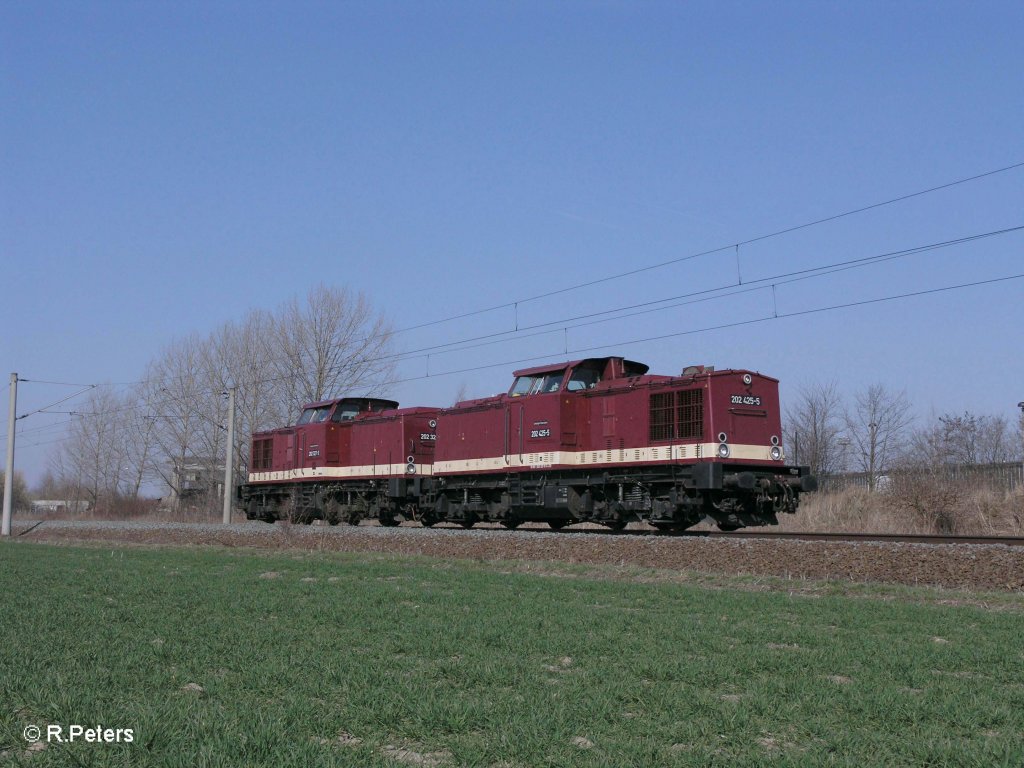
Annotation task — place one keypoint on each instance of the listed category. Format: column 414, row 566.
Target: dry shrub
column 851, row 510
column 934, row 501
column 913, row 503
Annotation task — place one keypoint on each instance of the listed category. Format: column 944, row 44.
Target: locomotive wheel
column 615, row 525
column 511, row 523
column 728, row 527
column 330, row 512
column 556, row 525
column 388, row 521
column 467, row 523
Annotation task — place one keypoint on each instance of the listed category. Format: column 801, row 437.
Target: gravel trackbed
column 974, row 567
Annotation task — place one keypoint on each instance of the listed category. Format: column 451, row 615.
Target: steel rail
column 867, row 538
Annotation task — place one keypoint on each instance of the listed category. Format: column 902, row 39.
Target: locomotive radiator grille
column 677, row 415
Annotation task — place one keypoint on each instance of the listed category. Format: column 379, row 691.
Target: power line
column 730, row 246
column 45, row 408
column 723, row 326
column 619, row 313
column 677, row 334
column 56, row 383
column 516, row 303
column 721, row 291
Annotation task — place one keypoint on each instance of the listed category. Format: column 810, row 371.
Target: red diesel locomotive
column 597, row 440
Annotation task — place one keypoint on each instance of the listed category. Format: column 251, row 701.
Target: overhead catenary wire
column 514, row 304
column 624, row 312
column 722, row 291
column 45, row 408
column 723, row 326
column 775, row 315
column 719, row 249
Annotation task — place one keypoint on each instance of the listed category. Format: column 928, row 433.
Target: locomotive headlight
column 723, row 438
column 747, row 378
column 410, row 469
column 723, row 451
column 775, row 453
column 775, row 439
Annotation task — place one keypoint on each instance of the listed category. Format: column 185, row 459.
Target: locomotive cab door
column 582, row 378
column 534, row 413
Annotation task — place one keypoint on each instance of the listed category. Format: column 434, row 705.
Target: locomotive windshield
column 314, row 415
column 535, row 385
column 523, row 385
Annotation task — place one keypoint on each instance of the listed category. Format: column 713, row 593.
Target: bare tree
column 179, row 405
column 462, row 393
column 95, row 459
column 329, row 344
column 244, row 353
column 19, row 490
column 972, row 439
column 877, row 429
column 813, row 429
column 1020, row 434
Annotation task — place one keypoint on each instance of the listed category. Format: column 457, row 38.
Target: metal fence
column 999, row 477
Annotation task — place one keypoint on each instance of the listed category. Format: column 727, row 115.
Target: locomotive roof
column 634, row 368
column 335, row 400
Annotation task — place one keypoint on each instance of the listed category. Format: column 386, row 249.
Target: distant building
column 59, row 506
column 195, row 477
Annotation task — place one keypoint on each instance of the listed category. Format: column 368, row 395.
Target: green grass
column 479, row 665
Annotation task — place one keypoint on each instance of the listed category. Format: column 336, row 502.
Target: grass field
column 233, row 658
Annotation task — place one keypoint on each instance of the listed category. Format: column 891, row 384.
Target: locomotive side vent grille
column 677, row 415
column 662, row 412
column 262, row 454
column 690, row 413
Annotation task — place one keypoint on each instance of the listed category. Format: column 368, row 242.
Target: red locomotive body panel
column 322, row 438
column 542, row 421
column 394, row 443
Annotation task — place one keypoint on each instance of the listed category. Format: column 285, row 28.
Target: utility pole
column 872, row 446
column 5, row 527
column 229, row 472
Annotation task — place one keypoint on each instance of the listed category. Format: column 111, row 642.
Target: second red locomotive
column 597, row 440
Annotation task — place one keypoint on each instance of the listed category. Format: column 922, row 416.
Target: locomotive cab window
column 523, row 385
column 314, row 415
column 538, row 384
column 551, row 382
column 345, row 412
column 582, row 378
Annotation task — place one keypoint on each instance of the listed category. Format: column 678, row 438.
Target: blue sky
column 166, row 167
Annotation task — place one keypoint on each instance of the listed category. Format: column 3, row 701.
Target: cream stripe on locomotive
column 548, row 459
column 534, row 460
column 370, row 471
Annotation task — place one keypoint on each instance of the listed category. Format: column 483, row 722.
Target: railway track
column 757, row 533
column 894, row 538
column 574, row 532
